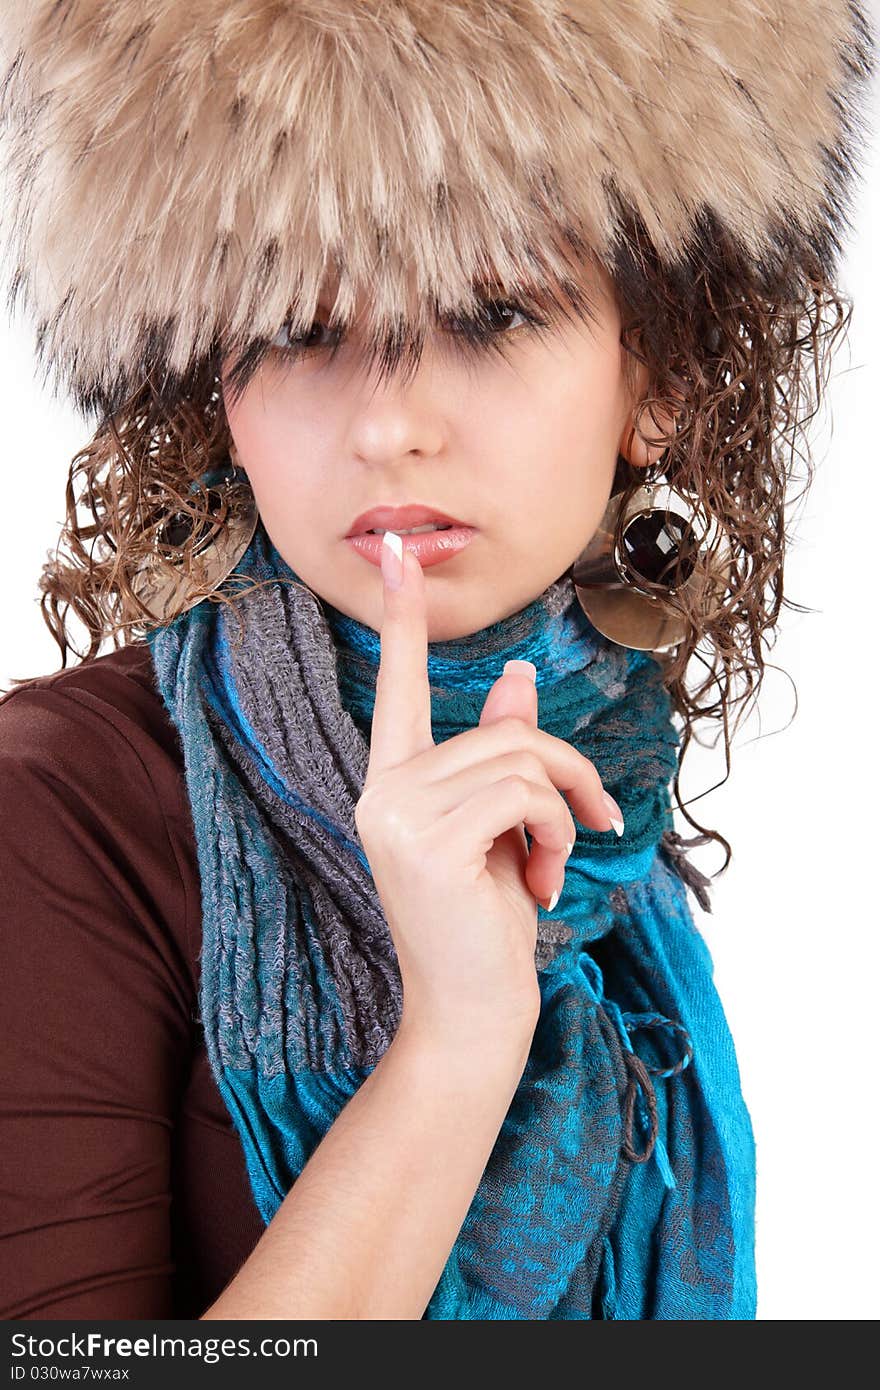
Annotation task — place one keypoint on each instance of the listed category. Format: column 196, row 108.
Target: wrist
column 477, row 1049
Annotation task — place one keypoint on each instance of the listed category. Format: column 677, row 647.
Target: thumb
column 514, row 693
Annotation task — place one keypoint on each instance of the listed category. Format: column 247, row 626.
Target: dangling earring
column 664, row 550
column 161, row 583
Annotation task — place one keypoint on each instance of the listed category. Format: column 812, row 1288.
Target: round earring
column 162, row 584
column 666, row 547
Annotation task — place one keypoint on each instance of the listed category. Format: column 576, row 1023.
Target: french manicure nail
column 568, row 848
column 525, row 668
column 553, row 901
column 614, row 812
column 392, row 559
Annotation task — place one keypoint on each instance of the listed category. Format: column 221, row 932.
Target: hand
column 442, row 827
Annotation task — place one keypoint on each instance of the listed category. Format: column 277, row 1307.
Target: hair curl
column 741, row 370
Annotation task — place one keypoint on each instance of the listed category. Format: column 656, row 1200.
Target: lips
column 400, row 518
column 429, row 547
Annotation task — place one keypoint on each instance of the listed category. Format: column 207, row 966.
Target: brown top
column 123, row 1181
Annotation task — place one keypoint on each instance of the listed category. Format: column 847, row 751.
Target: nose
column 394, row 421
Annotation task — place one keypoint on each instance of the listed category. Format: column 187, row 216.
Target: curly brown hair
column 742, row 370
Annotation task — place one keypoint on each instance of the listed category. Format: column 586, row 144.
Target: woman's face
column 522, row 448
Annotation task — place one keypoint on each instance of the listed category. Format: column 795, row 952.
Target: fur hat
column 182, row 173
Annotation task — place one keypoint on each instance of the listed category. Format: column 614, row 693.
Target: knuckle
column 519, row 787
column 511, row 728
column 386, row 819
column 598, row 784
column 364, row 807
column 371, row 809
column 397, row 826
column 530, row 766
column 590, row 765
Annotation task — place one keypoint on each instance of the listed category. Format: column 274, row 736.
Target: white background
column 794, row 924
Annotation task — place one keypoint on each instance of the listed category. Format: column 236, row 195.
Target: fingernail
column 557, row 894
column 392, row 559
column 614, row 812
column 568, row 848
column 526, row 668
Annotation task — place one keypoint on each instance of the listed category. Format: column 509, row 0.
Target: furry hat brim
column 182, row 172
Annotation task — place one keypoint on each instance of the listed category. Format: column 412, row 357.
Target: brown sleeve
column 96, row 1018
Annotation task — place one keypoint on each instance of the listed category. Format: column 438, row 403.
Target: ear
column 655, row 420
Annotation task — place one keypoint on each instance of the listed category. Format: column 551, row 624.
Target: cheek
column 240, row 417
column 574, row 429
column 263, row 434
column 576, row 447
column 282, row 457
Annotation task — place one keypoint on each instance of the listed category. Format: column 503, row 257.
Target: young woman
column 349, row 965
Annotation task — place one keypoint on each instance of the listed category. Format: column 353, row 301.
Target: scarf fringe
column 689, row 874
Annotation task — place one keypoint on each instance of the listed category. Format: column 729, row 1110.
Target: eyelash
column 472, row 335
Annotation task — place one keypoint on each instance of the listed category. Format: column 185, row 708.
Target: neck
column 552, row 631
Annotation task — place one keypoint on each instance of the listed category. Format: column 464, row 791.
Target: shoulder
column 92, row 784
column 90, row 720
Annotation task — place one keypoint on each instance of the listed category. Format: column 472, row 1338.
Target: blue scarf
column 622, row 1181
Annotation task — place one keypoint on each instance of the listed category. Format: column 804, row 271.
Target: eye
column 303, row 342
column 471, row 332
column 495, row 314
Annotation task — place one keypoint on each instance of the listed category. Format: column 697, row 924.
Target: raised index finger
column 402, row 712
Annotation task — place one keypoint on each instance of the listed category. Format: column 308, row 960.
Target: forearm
column 369, row 1223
